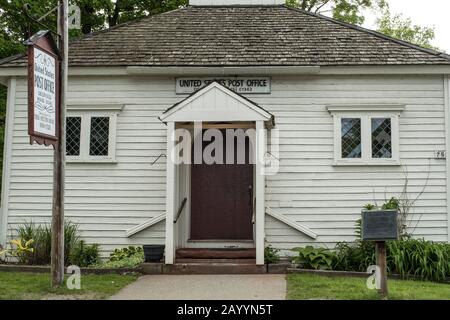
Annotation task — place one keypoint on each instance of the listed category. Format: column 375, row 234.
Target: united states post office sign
column 244, row 85
column 43, row 89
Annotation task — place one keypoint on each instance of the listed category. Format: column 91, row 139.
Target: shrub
column 125, row 253
column 130, row 257
column 354, row 256
column 84, row 255
column 315, row 258
column 416, row 257
column 42, row 236
column 71, row 239
column 41, row 245
column 271, row 255
column 131, row 262
column 426, row 260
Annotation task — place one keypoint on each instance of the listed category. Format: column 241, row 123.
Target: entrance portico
column 218, row 107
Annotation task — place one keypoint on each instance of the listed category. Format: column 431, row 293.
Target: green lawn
column 317, row 287
column 34, row 286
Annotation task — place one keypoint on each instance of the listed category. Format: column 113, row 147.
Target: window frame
column 86, row 114
column 366, row 113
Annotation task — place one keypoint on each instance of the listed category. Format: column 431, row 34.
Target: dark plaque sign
column 43, row 89
column 379, row 225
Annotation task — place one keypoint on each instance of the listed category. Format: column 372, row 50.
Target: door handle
column 250, row 195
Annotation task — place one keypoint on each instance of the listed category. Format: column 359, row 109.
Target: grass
column 35, row 286
column 317, row 287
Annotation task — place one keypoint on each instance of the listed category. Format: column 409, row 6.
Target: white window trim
column 366, row 113
column 86, row 113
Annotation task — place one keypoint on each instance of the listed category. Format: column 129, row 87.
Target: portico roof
column 216, row 103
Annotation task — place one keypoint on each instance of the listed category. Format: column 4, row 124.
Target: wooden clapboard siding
column 108, row 199
column 328, row 199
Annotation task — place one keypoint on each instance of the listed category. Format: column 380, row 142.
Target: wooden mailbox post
column 380, row 226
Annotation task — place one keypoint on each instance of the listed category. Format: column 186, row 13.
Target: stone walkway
column 205, row 287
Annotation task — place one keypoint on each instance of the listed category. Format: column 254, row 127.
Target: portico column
column 170, row 194
column 260, row 192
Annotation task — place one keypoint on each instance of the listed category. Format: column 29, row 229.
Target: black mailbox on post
column 379, row 225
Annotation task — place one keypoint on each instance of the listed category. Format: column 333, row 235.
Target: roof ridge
column 373, row 32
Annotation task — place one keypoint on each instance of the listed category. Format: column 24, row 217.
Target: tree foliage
column 397, row 26
column 350, row 11
column 95, row 14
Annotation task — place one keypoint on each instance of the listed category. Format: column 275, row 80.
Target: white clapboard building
column 358, row 116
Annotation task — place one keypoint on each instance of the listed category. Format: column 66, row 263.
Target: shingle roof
column 241, row 36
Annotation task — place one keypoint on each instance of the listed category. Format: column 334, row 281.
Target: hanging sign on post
column 43, row 89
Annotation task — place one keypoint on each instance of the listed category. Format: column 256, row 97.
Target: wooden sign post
column 380, row 226
column 47, row 86
column 59, row 164
column 380, row 255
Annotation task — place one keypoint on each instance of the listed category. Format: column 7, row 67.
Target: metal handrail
column 180, row 210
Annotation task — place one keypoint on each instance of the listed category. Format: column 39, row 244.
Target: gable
column 215, row 103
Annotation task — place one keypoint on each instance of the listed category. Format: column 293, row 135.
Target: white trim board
column 243, row 109
column 447, row 146
column 95, row 107
column 9, row 129
column 297, row 226
column 365, row 108
column 146, row 224
column 232, row 71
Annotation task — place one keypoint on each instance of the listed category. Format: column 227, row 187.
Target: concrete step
column 214, row 268
column 203, row 268
column 216, row 253
column 235, row 261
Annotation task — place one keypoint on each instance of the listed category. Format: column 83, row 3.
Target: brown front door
column 221, row 201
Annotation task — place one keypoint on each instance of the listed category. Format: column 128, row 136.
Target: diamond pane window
column 381, row 138
column 99, row 139
column 73, row 136
column 351, row 138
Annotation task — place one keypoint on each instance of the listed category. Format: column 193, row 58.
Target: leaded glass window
column 351, row 138
column 99, row 138
column 73, row 136
column 381, row 138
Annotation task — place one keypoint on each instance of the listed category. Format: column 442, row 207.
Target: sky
column 425, row 13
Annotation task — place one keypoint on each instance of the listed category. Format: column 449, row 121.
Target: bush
column 83, row 255
column 42, row 236
column 315, row 258
column 271, row 255
column 125, row 253
column 355, row 256
column 424, row 259
column 71, row 240
column 130, row 257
